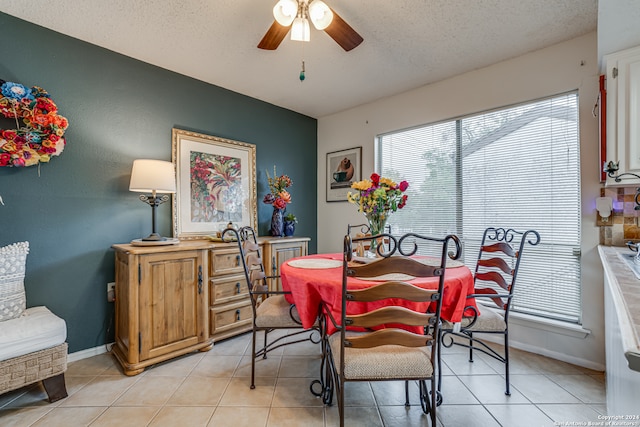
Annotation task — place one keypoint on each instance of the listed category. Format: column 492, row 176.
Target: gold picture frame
column 216, row 184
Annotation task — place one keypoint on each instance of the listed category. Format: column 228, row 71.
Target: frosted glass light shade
column 320, row 14
column 300, row 30
column 285, row 12
column 152, row 175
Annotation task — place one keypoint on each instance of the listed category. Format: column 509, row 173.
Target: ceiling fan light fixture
column 320, row 14
column 300, row 30
column 293, row 16
column 285, row 12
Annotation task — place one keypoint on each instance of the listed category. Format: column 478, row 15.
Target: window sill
column 555, row 326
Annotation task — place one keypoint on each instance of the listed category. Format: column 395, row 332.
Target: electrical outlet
column 111, row 292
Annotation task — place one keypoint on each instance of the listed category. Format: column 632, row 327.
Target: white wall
column 560, row 68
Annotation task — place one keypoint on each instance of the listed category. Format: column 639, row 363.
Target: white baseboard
column 89, row 352
column 559, row 356
column 548, row 353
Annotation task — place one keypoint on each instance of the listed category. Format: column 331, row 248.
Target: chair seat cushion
column 490, row 319
column 276, row 311
column 37, row 329
column 383, row 362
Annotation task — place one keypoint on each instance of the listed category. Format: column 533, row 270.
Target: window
column 516, row 167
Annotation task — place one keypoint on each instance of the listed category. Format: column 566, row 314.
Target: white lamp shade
column 300, row 30
column 320, row 14
column 152, row 175
column 285, row 11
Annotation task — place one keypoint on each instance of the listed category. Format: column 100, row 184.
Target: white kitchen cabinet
column 622, row 340
column 623, row 113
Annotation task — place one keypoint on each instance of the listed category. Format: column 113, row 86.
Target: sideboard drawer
column 227, row 289
column 230, row 316
column 225, row 261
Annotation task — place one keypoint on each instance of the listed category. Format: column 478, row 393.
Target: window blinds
column 516, row 167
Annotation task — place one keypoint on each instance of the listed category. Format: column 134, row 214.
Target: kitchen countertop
column 625, row 289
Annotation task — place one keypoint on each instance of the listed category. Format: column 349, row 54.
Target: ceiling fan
column 297, row 14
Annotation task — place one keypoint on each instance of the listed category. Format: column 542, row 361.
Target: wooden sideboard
column 230, row 308
column 277, row 251
column 174, row 299
column 161, row 303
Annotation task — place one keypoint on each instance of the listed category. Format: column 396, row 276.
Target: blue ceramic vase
column 289, row 228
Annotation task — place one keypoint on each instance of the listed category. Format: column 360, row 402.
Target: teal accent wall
column 74, row 208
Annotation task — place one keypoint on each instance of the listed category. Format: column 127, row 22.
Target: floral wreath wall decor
column 39, row 131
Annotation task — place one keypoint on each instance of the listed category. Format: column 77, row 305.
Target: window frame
column 574, row 318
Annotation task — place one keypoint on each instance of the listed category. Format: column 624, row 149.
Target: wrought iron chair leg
column 341, row 402
column 434, row 401
column 470, row 346
column 329, row 386
column 440, row 337
column 326, row 390
column 506, row 362
column 253, row 359
column 406, row 394
column 264, row 355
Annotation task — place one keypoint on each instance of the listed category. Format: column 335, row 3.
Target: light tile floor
column 212, row 389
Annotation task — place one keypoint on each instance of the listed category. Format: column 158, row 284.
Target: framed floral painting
column 216, row 184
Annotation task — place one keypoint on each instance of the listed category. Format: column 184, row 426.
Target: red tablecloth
column 309, row 287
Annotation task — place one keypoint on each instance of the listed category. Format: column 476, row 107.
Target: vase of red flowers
column 377, row 198
column 279, row 198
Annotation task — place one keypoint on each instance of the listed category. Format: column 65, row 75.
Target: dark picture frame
column 343, row 168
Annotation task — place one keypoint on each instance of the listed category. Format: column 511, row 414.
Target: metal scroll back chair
column 397, row 341
column 494, row 283
column 271, row 311
column 364, row 230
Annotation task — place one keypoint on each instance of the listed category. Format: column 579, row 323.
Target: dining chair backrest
column 395, row 335
column 251, row 259
column 364, row 230
column 271, row 310
column 391, row 313
column 391, row 265
column 498, row 263
column 499, row 260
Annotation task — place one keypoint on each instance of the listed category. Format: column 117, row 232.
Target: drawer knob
column 237, row 315
column 238, row 288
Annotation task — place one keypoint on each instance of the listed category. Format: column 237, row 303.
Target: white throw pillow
column 13, row 262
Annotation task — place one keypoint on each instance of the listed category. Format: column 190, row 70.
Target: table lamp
column 153, row 176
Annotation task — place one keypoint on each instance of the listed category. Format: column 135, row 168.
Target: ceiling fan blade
column 342, row 33
column 274, row 36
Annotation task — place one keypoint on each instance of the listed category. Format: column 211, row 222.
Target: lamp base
column 144, row 242
column 154, row 237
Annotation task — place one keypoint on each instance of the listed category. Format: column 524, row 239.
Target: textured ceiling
column 407, row 43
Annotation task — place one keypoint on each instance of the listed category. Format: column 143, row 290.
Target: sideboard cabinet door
column 278, row 250
column 161, row 304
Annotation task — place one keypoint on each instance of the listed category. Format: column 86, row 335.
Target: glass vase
column 377, row 224
column 277, row 222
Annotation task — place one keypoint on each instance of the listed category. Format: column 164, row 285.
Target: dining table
column 314, row 280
